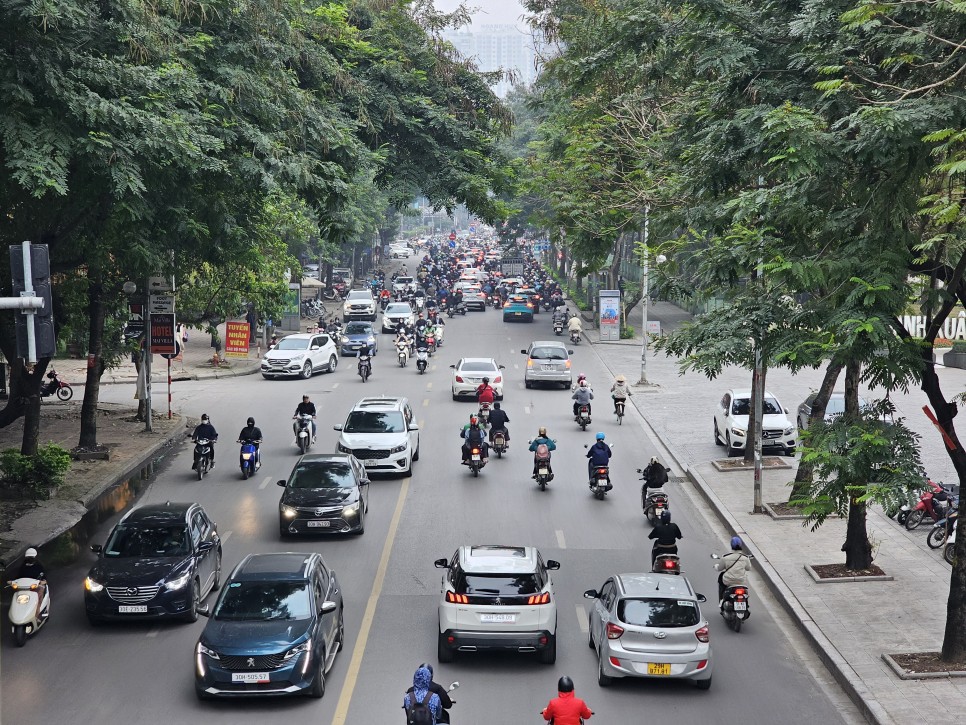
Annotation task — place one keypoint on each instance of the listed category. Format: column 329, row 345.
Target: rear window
column 548, row 353
column 658, row 612
column 477, row 367
column 498, row 585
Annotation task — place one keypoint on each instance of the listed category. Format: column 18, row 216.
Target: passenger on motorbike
column 542, row 440
column 619, row 391
column 473, row 436
column 733, row 567
column 566, row 708
column 306, row 407
column 582, row 396
column 251, row 433
column 666, row 537
column 598, row 455
column 498, row 421
column 205, row 430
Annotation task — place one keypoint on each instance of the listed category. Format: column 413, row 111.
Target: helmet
column 486, row 381
column 665, row 517
column 582, row 383
column 251, row 421
column 473, row 420
column 621, row 379
column 565, row 684
column 30, row 553
column 496, row 405
column 653, row 459
column 426, row 666
column 542, row 432
column 600, row 436
column 204, row 418
column 581, row 378
column 736, row 543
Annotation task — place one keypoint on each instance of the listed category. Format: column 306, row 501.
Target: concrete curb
column 180, row 377
column 841, row 670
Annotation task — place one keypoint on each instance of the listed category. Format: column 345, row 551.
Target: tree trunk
column 857, row 547
column 752, row 427
column 30, row 392
column 804, row 474
column 138, row 359
column 95, row 364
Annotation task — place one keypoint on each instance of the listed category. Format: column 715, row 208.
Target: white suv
column 731, row 423
column 497, row 597
column 300, row 355
column 359, row 305
column 382, row 433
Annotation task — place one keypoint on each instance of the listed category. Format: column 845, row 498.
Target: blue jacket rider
column 599, row 455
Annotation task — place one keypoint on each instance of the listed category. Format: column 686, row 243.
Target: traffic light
column 46, row 341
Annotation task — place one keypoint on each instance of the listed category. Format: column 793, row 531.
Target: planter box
column 955, row 360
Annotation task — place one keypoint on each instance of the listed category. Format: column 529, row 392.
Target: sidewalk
column 851, row 625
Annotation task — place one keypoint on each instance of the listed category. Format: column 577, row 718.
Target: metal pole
column 644, row 290
column 148, row 422
column 758, row 392
column 169, row 388
column 28, row 291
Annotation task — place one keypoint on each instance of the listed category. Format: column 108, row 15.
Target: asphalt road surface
column 143, row 672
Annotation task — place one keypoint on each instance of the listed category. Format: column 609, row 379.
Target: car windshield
column 360, row 295
column 404, row 280
column 288, row 343
column 262, row 601
column 478, row 367
column 548, row 353
column 498, row 585
column 398, row 309
column 371, row 421
column 129, row 541
column 742, row 406
column 658, row 612
column 322, row 474
column 358, row 328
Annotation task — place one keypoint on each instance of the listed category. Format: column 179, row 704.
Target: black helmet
column 665, row 517
column 251, row 421
column 565, row 684
column 486, row 380
column 204, row 418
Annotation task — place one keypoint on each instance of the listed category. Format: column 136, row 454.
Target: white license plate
column 319, row 524
column 250, row 677
column 544, row 471
column 498, row 618
column 372, row 462
column 476, row 456
column 132, row 609
column 548, row 368
column 741, row 606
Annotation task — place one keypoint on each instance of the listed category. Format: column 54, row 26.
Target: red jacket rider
column 566, row 709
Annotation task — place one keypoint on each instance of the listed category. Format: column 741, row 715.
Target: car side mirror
column 314, row 348
column 97, row 548
column 524, row 352
column 280, row 482
column 702, row 598
column 453, row 366
column 205, row 546
column 553, row 565
column 502, row 367
column 364, row 482
column 203, row 610
column 570, row 352
column 441, row 564
column 328, row 607
column 591, row 594
column 337, row 427
column 413, row 428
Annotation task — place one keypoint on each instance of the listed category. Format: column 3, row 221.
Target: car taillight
column 529, row 363
column 498, row 379
column 459, row 379
column 703, row 635
column 454, row 598
column 613, row 631
column 539, row 598
column 529, row 305
column 567, row 364
column 506, row 304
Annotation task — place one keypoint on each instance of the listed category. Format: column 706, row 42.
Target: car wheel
column 216, row 583
column 333, row 363
column 416, row 455
column 590, row 635
column 444, row 652
column 703, row 684
column 192, row 614
column 602, row 679
column 717, row 435
column 318, row 684
column 732, row 452
column 267, row 377
column 548, row 655
column 527, row 384
column 307, row 371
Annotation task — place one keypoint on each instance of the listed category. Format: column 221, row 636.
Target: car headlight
column 288, row 512
column 789, row 431
column 179, row 582
column 297, row 357
column 298, row 649
column 738, row 432
column 202, row 650
column 398, row 449
column 92, row 586
column 351, row 511
column 343, row 449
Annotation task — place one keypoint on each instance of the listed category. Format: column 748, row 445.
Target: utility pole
column 757, row 387
column 148, row 421
column 644, row 289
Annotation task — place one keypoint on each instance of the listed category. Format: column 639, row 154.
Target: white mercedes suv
column 497, row 597
column 382, row 433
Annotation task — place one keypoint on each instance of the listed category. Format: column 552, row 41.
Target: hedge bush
column 34, row 477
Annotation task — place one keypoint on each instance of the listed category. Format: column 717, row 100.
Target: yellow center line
column 345, row 697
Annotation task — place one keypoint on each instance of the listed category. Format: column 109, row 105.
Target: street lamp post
column 644, row 298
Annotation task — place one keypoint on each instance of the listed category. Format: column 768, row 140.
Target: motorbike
column 667, row 564
column 431, row 343
column 484, row 415
column 422, row 359
column 949, row 550
column 498, row 443
column 248, row 458
column 365, row 366
column 544, row 473
column 25, row 617
column 931, row 503
column 303, row 432
column 203, row 454
column 654, row 502
column 583, row 416
column 402, row 354
column 444, row 715
column 575, row 337
column 476, row 461
column 734, row 604
column 943, row 528
column 600, row 482
column 57, row 387
column 558, row 327
column 420, row 303
column 384, row 302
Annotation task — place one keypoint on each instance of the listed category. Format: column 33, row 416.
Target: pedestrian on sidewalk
column 666, row 537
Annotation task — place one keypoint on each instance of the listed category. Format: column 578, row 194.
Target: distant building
column 495, row 47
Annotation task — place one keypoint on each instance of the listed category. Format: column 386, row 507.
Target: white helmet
column 30, row 553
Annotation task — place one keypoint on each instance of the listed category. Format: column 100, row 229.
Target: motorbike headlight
column 343, row 449
column 288, row 512
column 202, row 650
column 738, row 432
column 298, row 649
column 93, row 586
column 351, row 511
column 398, row 449
column 23, row 598
column 178, row 583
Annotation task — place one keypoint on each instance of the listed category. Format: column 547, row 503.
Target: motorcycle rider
column 655, row 475
column 402, row 346
column 666, row 537
column 566, row 708
column 733, row 567
column 582, row 396
column 598, row 455
column 33, row 569
column 444, row 699
column 619, row 391
column 204, row 430
column 561, row 315
column 574, row 325
column 306, row 407
column 252, row 434
column 540, row 440
column 485, row 393
column 473, row 435
column 498, row 421
column 420, row 324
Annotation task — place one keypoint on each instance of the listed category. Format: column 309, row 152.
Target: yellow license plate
column 656, row 669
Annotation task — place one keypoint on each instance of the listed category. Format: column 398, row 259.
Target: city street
column 143, row 672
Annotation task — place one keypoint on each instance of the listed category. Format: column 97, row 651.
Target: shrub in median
column 33, row 477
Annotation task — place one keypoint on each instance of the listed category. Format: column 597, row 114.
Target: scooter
column 476, row 461
column 498, row 444
column 248, row 459
column 667, row 564
column 57, row 387
column 654, row 502
column 942, row 529
column 364, row 367
column 203, row 454
column 402, row 354
column 583, row 416
column 484, row 415
column 303, row 432
column 600, row 482
column 444, row 715
column 422, row 359
column 930, row 502
column 734, row 604
column 558, row 327
column 26, row 618
column 431, row 343
column 575, row 337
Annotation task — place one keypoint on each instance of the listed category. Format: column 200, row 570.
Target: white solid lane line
column 335, row 385
column 561, row 541
column 526, row 409
column 225, row 536
column 582, row 619
column 264, row 482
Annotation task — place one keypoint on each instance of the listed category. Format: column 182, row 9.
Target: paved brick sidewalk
column 850, row 624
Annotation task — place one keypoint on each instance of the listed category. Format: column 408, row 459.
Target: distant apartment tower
column 498, row 46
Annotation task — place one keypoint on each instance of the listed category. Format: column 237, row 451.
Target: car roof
column 477, row 359
column 497, row 558
column 654, row 585
column 302, row 336
column 323, row 457
column 746, row 393
column 548, row 343
column 381, row 403
column 169, row 512
column 364, row 291
column 288, row 565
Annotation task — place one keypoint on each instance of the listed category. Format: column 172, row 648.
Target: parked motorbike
column 942, row 529
column 422, row 359
column 498, row 443
column 203, row 454
column 583, row 416
column 931, row 503
column 666, row 564
column 734, row 605
column 248, row 459
column 303, row 432
column 364, row 366
column 57, row 387
column 25, row 617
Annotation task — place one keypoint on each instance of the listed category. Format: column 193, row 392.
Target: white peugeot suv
column 497, row 597
column 382, row 433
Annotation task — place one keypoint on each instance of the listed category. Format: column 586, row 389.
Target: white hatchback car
column 497, row 597
column 731, row 423
column 468, row 375
column 300, row 355
column 382, row 433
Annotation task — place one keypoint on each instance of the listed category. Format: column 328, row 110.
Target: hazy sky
column 490, row 12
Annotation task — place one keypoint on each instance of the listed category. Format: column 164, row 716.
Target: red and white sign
column 163, row 334
column 452, row 236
